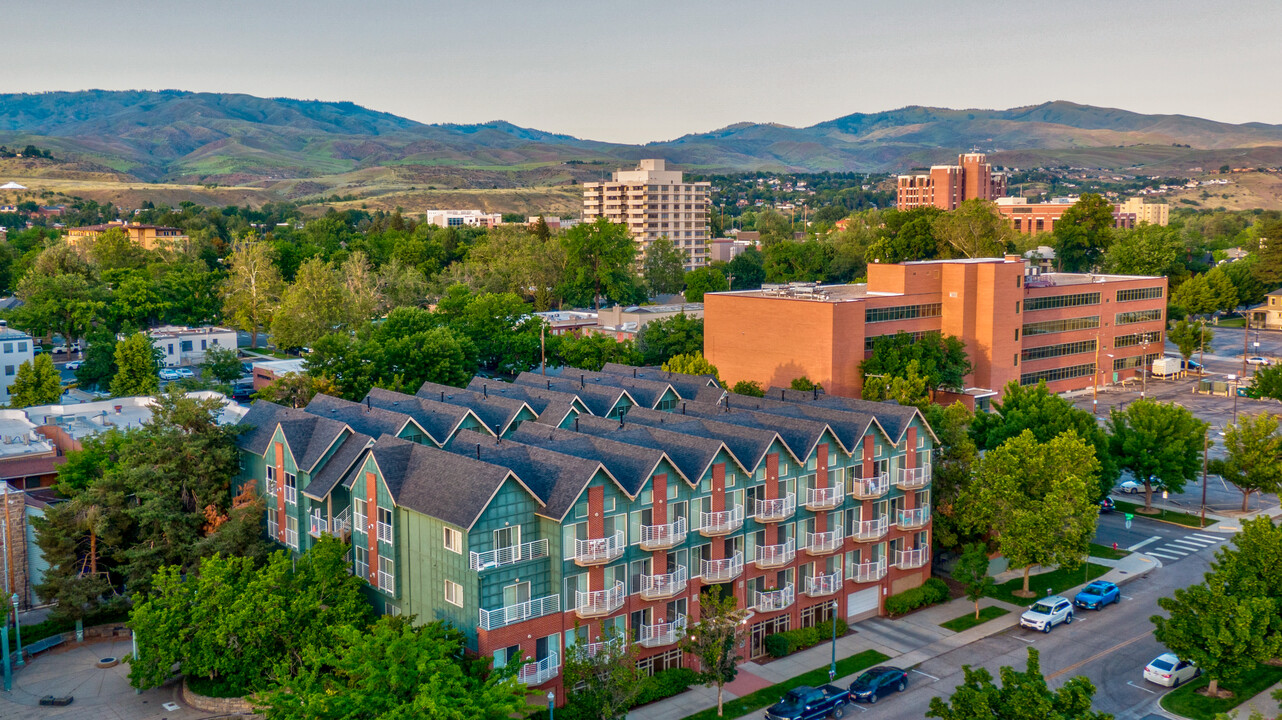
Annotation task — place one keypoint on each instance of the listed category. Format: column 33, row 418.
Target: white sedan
column 168, row 374
column 1257, row 360
column 1131, row 487
column 1170, row 671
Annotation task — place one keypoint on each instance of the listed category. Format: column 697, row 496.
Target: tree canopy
column 1083, row 233
column 1254, row 456
column 1159, row 443
column 38, row 382
column 663, row 267
column 1021, row 696
column 939, row 359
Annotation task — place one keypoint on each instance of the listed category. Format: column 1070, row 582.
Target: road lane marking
column 1127, row 597
column 932, row 677
column 1142, row 543
column 859, row 707
column 1196, row 545
column 1099, row 655
column 1137, row 687
column 1164, row 557
column 1208, row 537
column 1182, row 552
column 1030, row 642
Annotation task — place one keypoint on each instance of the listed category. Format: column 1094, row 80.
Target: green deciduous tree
column 751, row 388
column 1267, row 382
column 1022, row 696
column 1145, row 250
column 952, row 471
column 663, row 268
column 1159, row 443
column 716, row 638
column 972, row 571
column 600, row 257
column 99, row 364
column 908, row 388
column 703, row 280
column 605, row 677
column 223, row 364
column 499, row 326
column 1190, row 337
column 1254, row 456
column 1194, row 297
column 905, row 236
column 974, row 229
column 746, row 271
column 296, row 389
column 805, row 384
column 310, row 307
column 1083, row 233
column 797, row 261
column 940, row 360
column 661, row 339
column 592, row 351
column 692, row 364
column 1038, row 499
column 253, row 287
column 38, row 382
column 138, row 367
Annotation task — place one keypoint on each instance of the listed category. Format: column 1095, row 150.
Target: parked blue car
column 1098, row 594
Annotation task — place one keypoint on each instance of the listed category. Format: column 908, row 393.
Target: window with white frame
column 360, row 519
column 271, row 480
column 291, row 488
column 386, row 575
column 362, row 561
column 453, row 593
column 291, row 531
column 273, row 525
column 453, row 540
column 384, row 525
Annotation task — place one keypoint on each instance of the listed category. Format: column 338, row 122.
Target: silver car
column 1170, row 671
column 1047, row 613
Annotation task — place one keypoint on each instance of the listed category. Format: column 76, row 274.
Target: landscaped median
column 1170, row 516
column 768, row 696
column 968, row 621
column 1187, row 702
column 1056, row 580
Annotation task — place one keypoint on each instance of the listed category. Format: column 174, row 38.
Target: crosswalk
column 1176, row 548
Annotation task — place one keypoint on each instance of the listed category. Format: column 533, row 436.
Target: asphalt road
column 1110, row 646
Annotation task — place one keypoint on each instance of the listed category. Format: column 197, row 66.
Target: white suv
column 1047, row 613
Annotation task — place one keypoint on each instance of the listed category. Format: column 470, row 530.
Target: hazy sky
column 637, row 71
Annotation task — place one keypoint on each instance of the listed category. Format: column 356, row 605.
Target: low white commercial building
column 181, row 345
column 462, row 218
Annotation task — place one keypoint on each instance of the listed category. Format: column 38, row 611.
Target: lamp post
column 17, row 628
column 551, row 703
column 832, row 669
column 1233, row 379
column 4, row 649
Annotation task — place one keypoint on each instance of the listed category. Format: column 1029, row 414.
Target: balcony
column 915, row 518
column 597, row 551
column 823, row 543
column 342, row 524
column 913, row 478
column 499, row 557
column 910, row 559
column 385, row 533
column 291, row 494
column 360, row 523
column 823, row 498
column 291, row 537
column 537, row 673
column 591, row 650
column 820, row 585
column 772, row 600
column 870, row 530
column 773, row 556
column 870, row 488
column 657, row 587
column 538, row 607
column 662, row 537
column 663, row 633
column 719, row 571
column 595, row 603
column 317, row 526
column 869, row 571
column 776, row 510
column 721, row 523
column 386, row 582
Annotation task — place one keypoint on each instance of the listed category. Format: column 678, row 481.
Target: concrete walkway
column 1262, row 703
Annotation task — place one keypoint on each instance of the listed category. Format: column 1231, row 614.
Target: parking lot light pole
column 17, row 628
column 4, row 649
column 832, row 670
column 1206, row 443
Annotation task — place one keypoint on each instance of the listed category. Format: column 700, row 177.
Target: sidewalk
column 1262, row 703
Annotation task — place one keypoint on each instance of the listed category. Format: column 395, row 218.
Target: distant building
column 727, row 249
column 947, row 186
column 16, row 347
column 464, row 218
column 1033, row 218
column 269, row 371
column 1268, row 314
column 1146, row 212
column 150, row 237
column 553, row 223
column 183, row 345
column 563, row 322
column 654, row 202
column 623, row 323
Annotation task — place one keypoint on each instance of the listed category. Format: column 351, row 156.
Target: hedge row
column 932, row 592
column 790, row 641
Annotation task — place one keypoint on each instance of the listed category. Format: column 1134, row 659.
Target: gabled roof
column 631, row 465
column 600, row 399
column 350, row 450
column 552, row 406
column 893, row 417
column 439, row 420
column 497, row 412
column 800, row 435
column 690, row 454
column 646, row 392
column 747, row 445
column 849, row 426
column 309, row 436
column 687, row 386
column 438, row 483
column 362, row 417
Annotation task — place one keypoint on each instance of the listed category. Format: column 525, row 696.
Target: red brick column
column 371, row 525
column 280, row 492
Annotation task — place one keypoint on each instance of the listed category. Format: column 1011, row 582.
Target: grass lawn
column 1057, row 580
column 1234, row 322
column 1107, row 552
column 1184, row 701
column 1178, row 518
column 968, row 621
column 766, row 697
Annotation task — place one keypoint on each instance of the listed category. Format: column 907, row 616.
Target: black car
column 1106, row 505
column 877, row 682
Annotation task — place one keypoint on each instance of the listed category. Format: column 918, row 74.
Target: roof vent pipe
column 634, row 372
column 576, row 423
column 478, row 451
column 442, row 396
column 368, row 408
column 485, row 390
column 581, row 380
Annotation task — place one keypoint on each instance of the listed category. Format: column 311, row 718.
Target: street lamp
column 1233, row 379
column 551, row 703
column 17, row 627
column 832, row 670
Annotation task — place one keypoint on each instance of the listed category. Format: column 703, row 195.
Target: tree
column 1194, row 296
column 38, row 382
column 311, row 307
column 499, row 326
column 65, row 304
column 253, row 287
column 1268, row 269
column 1083, row 232
column 746, row 271
column 138, row 363
column 1254, row 461
column 798, row 261
column 676, row 335
column 363, row 298
column 1046, row 415
column 296, row 389
column 663, row 268
column 805, row 384
column 593, row 351
column 223, row 364
column 1223, row 291
column 99, row 364
column 1252, row 565
column 715, row 640
column 1145, row 250
column 600, row 256
column 703, row 280
column 1159, row 443
column 972, row 571
column 751, row 388
column 905, row 236
column 393, row 669
column 910, row 388
column 1189, row 337
column 1038, row 499
column 692, row 364
column 974, row 229
column 952, row 471
column 1267, row 382
column 605, row 677
column 941, row 360
column 1022, row 696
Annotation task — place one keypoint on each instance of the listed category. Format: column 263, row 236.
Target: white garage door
column 858, row 603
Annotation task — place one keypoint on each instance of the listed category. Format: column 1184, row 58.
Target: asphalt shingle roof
column 437, row 419
column 497, row 412
column 368, row 419
column 691, row 454
column 308, row 435
column 646, row 392
column 557, row 479
column 552, row 406
column 747, row 444
column 892, row 416
column 687, row 386
column 631, row 465
column 600, row 399
column 350, row 450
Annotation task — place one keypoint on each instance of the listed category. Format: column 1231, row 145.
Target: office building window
column 1057, row 326
column 1127, row 363
column 1052, row 375
column 1126, row 318
column 1125, row 341
column 902, row 312
column 8, row 370
column 1151, row 293
column 1050, row 351
column 1061, row 301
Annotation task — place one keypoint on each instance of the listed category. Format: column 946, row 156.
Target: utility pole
column 543, row 355
column 1206, row 442
column 1246, row 336
column 1095, row 380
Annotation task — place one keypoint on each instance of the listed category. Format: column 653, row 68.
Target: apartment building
column 654, row 202
column 947, row 186
column 16, row 347
column 535, row 516
column 1153, row 213
column 1071, row 330
column 150, row 237
column 1035, row 218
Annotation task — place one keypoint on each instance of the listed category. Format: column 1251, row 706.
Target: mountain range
column 178, row 136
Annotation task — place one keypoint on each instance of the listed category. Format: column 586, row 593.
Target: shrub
column 790, row 641
column 931, row 592
column 665, row 683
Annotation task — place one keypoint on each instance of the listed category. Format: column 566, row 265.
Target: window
column 453, row 593
column 1151, row 293
column 1057, row 374
column 913, row 337
column 1126, row 318
column 291, row 531
column 361, row 556
column 1017, row 307
column 8, row 347
column 203, row 345
column 386, row 575
column 1057, row 326
column 359, row 519
column 453, row 540
column 1051, row 351
column 8, row 370
column 508, row 537
column 291, row 488
column 185, row 345
column 22, row 347
column 1061, row 301
column 902, row 312
column 384, row 525
column 273, row 525
column 1125, row 341
column 1127, row 363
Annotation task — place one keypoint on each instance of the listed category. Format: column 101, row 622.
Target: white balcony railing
column 386, row 582
column 824, row 543
column 870, row 488
column 592, row 603
column 867, row 530
column 823, row 498
column 908, row 559
column 385, row 533
column 662, row 633
column 538, row 607
column 591, row 650
column 772, row 600
column 291, row 494
column 499, row 557
column 317, row 526
column 657, row 537
column 768, row 556
column 342, row 523
column 360, row 523
column 537, row 673
column 291, row 537
column 721, row 523
column 915, row 518
column 776, row 510
column 869, row 571
column 719, row 571
column 913, row 478
column 817, row 585
column 594, row 551
column 654, row 587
